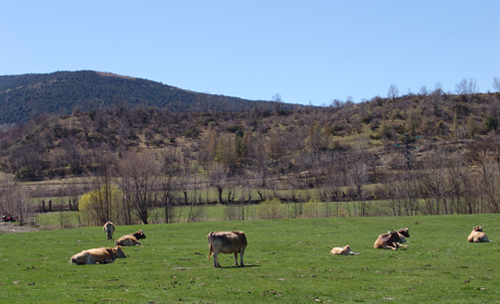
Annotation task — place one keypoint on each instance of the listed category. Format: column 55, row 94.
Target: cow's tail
column 210, row 245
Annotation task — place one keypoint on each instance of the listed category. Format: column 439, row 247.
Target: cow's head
column 139, row 235
column 477, row 228
column 347, row 248
column 118, row 252
column 405, row 232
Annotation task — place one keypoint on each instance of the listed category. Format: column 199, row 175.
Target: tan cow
column 109, row 228
column 389, row 240
column 478, row 236
column 130, row 239
column 227, row 242
column 346, row 250
column 98, row 256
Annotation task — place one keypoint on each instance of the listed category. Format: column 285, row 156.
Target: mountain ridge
column 24, row 97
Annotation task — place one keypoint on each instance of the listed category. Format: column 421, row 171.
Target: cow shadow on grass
column 238, row 267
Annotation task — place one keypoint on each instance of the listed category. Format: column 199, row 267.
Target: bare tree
column 218, row 177
column 278, row 102
column 139, row 174
column 393, row 92
column 358, row 176
column 14, row 199
column 466, row 87
column 168, row 185
column 260, row 159
column 496, row 84
column 433, row 184
column 485, row 154
column 102, row 181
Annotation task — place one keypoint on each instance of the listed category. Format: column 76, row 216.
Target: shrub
column 270, row 209
column 93, row 204
column 313, row 209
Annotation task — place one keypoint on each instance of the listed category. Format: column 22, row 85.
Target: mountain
column 23, row 97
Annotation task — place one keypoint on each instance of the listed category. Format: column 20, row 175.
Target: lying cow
column 389, row 240
column 109, row 228
column 227, row 242
column 346, row 250
column 130, row 239
column 405, row 232
column 478, row 236
column 98, row 256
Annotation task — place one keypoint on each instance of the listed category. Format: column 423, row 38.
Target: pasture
column 286, row 260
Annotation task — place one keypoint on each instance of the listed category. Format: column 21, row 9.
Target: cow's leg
column 241, row 256
column 216, row 262
column 236, row 258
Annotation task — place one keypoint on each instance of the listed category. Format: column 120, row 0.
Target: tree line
column 139, row 159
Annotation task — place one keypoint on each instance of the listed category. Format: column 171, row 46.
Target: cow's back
column 382, row 240
column 478, row 237
column 390, row 239
column 227, row 242
column 127, row 240
column 100, row 255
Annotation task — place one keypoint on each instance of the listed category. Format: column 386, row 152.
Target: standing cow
column 478, row 236
column 109, row 228
column 227, row 242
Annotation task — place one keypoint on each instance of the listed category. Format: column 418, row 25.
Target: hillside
column 23, row 97
column 431, row 153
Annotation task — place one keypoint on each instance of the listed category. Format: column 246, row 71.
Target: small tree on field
column 91, row 202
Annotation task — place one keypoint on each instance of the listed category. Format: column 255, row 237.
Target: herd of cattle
column 235, row 242
column 393, row 240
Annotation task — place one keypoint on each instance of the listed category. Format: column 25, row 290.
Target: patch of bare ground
column 15, row 228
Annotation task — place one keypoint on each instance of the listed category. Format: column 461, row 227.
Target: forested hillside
column 428, row 153
column 24, row 97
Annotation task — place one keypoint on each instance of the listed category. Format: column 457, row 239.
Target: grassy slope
column 289, row 261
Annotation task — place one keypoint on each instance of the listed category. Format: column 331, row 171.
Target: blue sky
column 309, row 52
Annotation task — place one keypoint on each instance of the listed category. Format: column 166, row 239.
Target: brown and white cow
column 98, row 256
column 389, row 240
column 109, row 228
column 403, row 234
column 130, row 239
column 478, row 236
column 227, row 242
column 346, row 250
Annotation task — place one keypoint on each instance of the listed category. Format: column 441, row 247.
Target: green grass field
column 287, row 261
